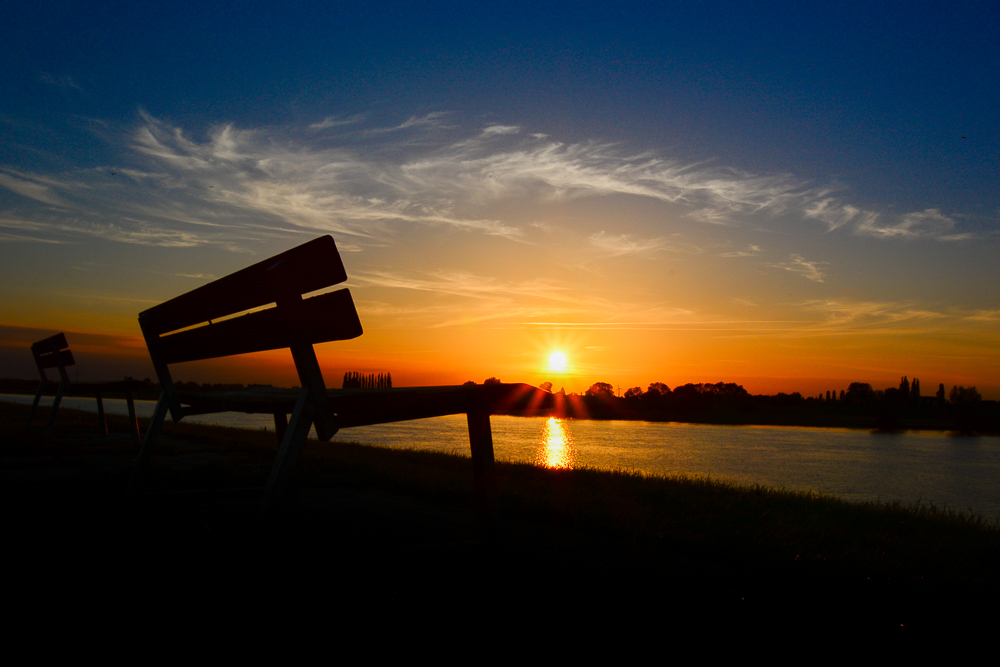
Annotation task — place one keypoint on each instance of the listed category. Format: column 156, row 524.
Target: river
column 958, row 472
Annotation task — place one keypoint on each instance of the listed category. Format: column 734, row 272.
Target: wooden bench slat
column 380, row 406
column 55, row 360
column 320, row 319
column 50, row 344
column 306, row 268
column 362, row 407
column 113, row 386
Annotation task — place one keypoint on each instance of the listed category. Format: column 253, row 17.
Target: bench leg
column 34, row 406
column 288, row 453
column 55, row 406
column 101, row 418
column 133, row 419
column 152, row 433
column 483, row 464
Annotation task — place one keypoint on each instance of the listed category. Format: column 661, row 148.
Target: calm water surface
column 960, row 472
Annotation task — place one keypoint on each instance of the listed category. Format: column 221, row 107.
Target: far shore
column 983, row 419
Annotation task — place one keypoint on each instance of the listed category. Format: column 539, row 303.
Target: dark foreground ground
column 394, row 537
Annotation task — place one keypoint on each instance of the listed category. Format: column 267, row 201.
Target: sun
column 557, row 362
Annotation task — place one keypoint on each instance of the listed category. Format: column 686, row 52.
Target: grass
column 616, row 536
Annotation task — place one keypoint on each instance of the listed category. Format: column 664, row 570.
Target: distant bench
column 54, row 352
column 194, row 326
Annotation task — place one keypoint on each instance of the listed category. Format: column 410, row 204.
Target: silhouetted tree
column 355, row 380
column 960, row 394
column 659, row 387
column 860, row 393
column 940, row 393
column 601, row 390
column 893, row 396
column 915, row 390
column 967, row 402
column 545, row 386
column 491, row 380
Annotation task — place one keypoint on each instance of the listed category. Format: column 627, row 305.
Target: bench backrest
column 185, row 328
column 53, row 352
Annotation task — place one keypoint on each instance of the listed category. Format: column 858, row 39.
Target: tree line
column 355, row 380
column 859, row 406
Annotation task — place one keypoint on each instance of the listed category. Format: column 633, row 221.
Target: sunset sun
column 557, row 362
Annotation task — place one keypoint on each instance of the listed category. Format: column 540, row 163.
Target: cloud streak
column 803, row 267
column 340, row 177
column 616, row 245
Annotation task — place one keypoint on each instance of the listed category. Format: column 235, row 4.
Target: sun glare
column 557, row 362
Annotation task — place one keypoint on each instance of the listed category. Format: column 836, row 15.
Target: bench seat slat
column 362, row 407
column 55, row 360
column 255, row 400
column 381, row 406
column 306, row 268
column 327, row 317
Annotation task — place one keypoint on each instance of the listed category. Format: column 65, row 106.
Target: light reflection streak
column 557, row 446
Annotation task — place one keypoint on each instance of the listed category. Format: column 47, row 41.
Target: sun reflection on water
column 557, row 445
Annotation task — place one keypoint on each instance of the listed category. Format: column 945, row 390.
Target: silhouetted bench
column 192, row 327
column 54, row 352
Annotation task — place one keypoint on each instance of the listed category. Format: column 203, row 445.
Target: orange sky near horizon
column 623, row 358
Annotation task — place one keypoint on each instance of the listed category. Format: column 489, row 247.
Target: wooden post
column 133, row 419
column 483, row 468
column 288, row 452
column 34, row 406
column 63, row 384
column 102, row 420
column 152, row 433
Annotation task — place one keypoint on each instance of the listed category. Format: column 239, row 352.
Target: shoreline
column 857, row 423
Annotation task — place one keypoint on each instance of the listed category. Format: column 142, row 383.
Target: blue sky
column 784, row 194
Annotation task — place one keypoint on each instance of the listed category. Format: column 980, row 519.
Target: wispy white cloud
column 836, row 213
column 207, row 277
column 460, row 298
column 496, row 165
column 64, row 81
column 984, row 315
column 864, row 315
column 67, row 230
column 501, row 129
column 625, row 244
column 928, row 223
column 749, row 251
column 468, row 285
column 803, row 267
column 32, row 187
column 433, row 119
column 335, row 121
column 369, row 184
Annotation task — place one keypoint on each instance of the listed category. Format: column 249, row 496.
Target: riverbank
column 982, row 418
column 397, row 530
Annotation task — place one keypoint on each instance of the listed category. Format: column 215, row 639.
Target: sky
column 791, row 196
